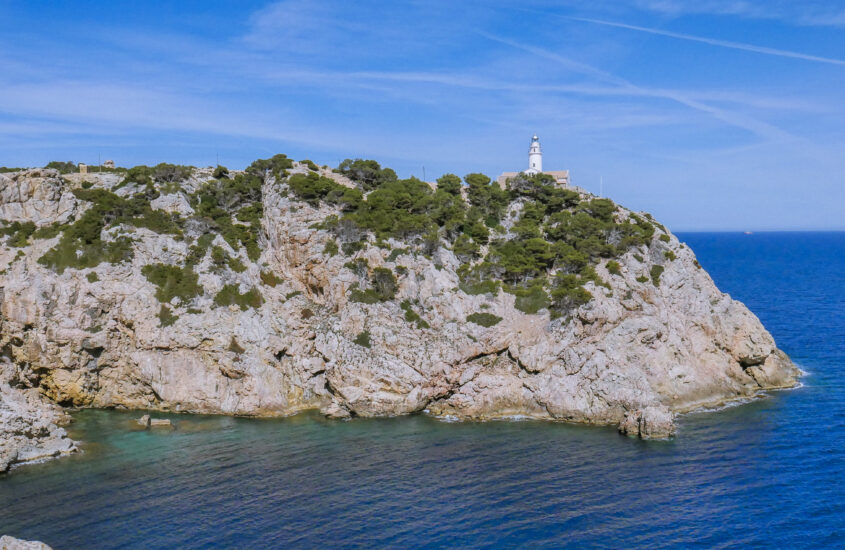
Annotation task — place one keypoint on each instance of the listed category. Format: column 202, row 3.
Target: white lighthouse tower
column 535, row 166
column 535, row 157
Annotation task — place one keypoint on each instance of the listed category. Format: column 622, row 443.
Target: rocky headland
column 291, row 286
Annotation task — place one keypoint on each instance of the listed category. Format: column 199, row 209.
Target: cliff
column 291, row 287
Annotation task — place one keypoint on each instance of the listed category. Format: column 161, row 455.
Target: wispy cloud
column 762, row 129
column 715, row 42
column 804, row 13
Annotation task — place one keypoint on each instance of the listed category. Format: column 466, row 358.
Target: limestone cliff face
column 633, row 355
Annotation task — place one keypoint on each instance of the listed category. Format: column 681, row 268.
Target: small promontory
column 290, row 286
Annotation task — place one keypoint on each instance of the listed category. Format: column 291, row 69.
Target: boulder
column 648, row 423
column 11, row 543
column 161, row 423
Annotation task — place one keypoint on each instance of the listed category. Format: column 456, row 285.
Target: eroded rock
column 637, row 353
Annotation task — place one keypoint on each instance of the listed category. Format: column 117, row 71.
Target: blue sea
column 767, row 474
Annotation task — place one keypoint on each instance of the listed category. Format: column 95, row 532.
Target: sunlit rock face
column 639, row 351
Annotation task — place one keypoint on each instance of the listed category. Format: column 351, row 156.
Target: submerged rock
column 160, row 423
column 148, row 422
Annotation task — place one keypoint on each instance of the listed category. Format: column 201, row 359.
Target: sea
column 769, row 473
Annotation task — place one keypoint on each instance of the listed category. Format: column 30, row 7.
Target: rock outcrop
column 11, row 543
column 638, row 352
column 29, row 425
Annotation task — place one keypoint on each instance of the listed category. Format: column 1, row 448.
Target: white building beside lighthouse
column 535, row 166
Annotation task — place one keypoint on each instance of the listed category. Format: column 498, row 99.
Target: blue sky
column 712, row 114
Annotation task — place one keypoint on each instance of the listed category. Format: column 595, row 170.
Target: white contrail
column 715, row 42
column 735, row 119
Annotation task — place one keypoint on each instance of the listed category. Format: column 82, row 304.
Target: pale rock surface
column 11, row 543
column 633, row 356
column 39, row 196
column 29, row 425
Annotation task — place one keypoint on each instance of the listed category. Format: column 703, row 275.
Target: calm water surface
column 767, row 474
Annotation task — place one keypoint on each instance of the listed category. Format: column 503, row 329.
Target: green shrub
column 669, row 255
column 269, row 278
column 656, row 272
column 567, row 293
column 412, row 316
column 306, row 313
column 48, row 231
column 276, row 166
column 92, row 277
column 293, row 294
column 395, row 253
column 311, row 165
column 173, row 281
column 664, row 237
column 490, row 199
column 384, row 283
column 170, row 173
column 236, row 265
column 363, row 339
column 235, row 347
column 368, row 296
column 531, row 300
column 166, row 317
column 331, row 248
column 484, row 319
column 359, row 266
column 67, row 167
column 642, row 279
column 19, row 233
column 351, row 248
column 220, row 172
column 229, row 295
column 613, row 267
column 367, row 173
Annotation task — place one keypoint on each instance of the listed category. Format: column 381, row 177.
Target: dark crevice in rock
column 746, row 362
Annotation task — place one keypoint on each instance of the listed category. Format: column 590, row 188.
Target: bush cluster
column 216, row 203
column 230, row 295
column 173, row 281
column 363, row 339
column 484, row 319
column 81, row 244
column 383, row 285
column 19, row 233
column 544, row 259
column 412, row 316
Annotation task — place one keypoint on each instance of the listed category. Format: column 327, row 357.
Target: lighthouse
column 535, row 157
column 535, row 166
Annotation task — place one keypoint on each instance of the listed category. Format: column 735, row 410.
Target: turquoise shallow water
column 770, row 473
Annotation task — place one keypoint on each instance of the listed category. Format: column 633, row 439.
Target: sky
column 710, row 114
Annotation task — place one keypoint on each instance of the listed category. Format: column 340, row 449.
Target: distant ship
column 749, row 233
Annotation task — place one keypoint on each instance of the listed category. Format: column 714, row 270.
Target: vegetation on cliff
column 535, row 240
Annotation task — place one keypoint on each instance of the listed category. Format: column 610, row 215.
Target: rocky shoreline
column 11, row 543
column 283, row 321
